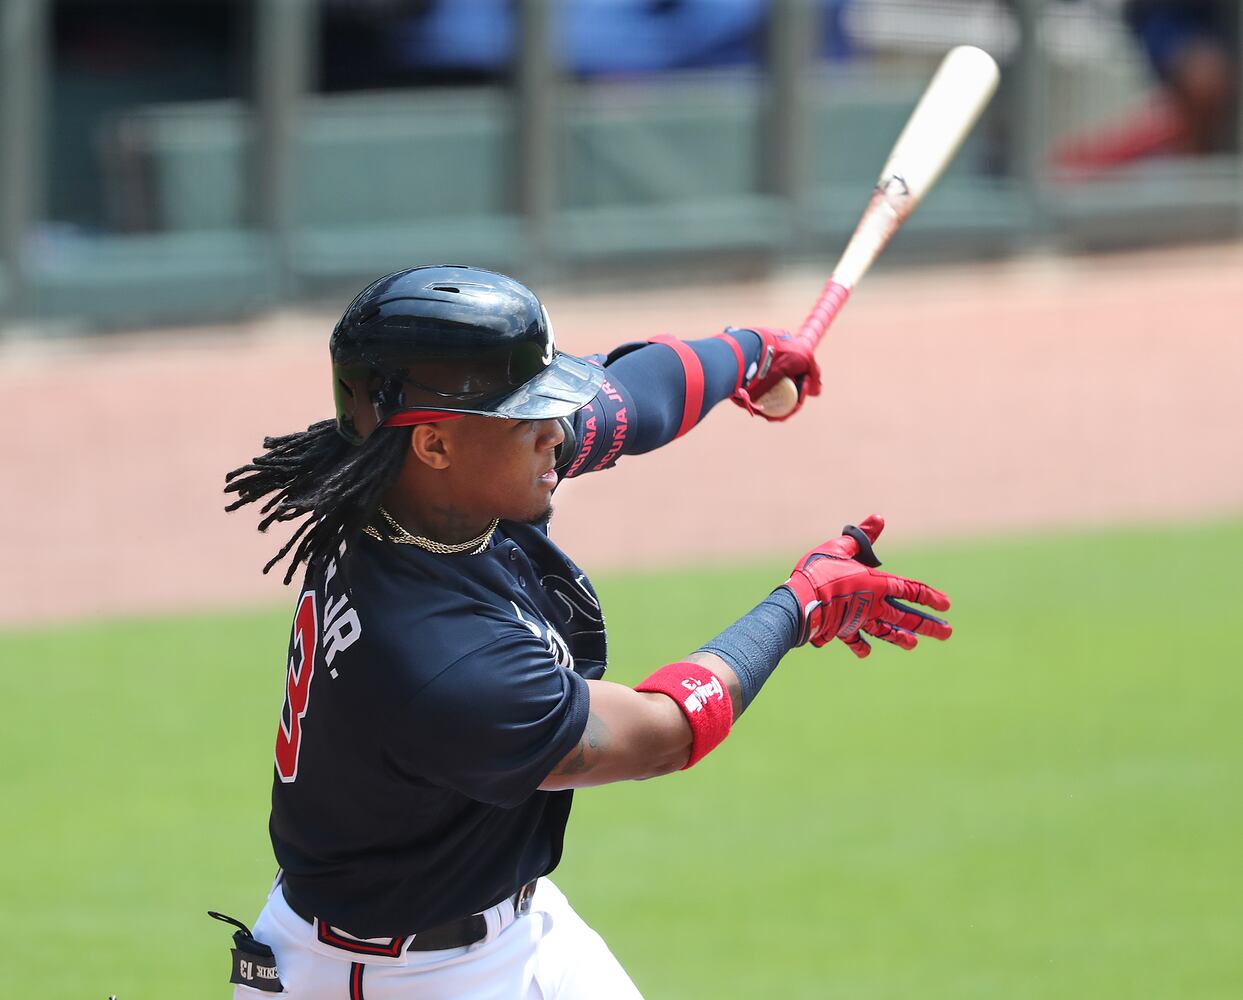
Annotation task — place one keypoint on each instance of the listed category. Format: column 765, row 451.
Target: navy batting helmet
column 445, row 340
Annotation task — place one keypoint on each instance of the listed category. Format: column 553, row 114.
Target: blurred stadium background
column 1039, row 387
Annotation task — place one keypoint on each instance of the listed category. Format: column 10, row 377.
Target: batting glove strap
column 703, row 699
column 809, row 605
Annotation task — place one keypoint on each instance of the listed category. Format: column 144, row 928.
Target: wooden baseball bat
column 957, row 95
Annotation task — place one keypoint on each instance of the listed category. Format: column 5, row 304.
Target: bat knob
column 780, row 400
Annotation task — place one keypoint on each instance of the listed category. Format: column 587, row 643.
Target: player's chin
column 541, row 514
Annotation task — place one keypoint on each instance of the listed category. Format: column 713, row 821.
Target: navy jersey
column 428, row 696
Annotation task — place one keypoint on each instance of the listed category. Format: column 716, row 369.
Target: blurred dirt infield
column 958, row 402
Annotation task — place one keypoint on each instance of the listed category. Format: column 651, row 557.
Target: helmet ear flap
column 568, row 448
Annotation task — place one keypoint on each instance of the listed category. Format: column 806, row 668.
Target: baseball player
column 443, row 689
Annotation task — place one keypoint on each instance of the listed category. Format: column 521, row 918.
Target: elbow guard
column 702, row 698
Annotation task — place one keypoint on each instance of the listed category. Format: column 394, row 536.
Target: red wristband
column 702, row 698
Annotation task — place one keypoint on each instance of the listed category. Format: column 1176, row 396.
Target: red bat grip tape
column 830, row 303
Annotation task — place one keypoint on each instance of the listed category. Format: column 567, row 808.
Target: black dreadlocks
column 319, row 475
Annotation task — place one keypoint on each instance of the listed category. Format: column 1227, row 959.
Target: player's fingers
column 883, row 630
column 913, row 620
column 872, row 526
column 856, row 540
column 920, row 593
column 845, row 547
column 857, row 644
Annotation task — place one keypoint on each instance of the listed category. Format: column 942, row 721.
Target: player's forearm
column 630, row 735
column 656, row 392
column 638, row 734
column 666, row 378
column 751, row 648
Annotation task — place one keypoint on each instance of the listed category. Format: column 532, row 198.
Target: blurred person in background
column 1192, row 47
column 406, row 42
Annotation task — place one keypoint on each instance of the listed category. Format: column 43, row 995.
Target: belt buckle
column 522, row 901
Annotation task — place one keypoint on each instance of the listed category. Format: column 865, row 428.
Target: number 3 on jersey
column 297, row 687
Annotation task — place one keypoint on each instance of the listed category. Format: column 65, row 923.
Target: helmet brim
column 566, row 385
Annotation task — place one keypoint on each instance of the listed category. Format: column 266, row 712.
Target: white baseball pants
column 549, row 953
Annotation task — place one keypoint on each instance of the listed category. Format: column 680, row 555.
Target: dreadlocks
column 318, row 475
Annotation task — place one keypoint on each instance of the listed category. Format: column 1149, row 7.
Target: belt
column 452, row 934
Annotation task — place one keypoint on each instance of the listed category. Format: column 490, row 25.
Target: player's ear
column 430, row 446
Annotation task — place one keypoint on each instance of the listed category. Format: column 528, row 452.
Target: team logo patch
column 701, row 693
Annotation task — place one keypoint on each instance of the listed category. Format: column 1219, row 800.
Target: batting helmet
column 430, row 342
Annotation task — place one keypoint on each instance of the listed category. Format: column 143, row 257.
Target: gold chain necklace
column 474, row 546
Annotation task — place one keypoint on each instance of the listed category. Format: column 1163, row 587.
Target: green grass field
column 1049, row 805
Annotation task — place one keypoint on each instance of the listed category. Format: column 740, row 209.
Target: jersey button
column 522, row 581
column 513, row 554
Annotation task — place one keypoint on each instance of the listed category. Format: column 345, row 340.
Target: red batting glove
column 783, row 355
column 841, row 594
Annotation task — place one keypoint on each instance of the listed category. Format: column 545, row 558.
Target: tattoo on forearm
column 586, row 755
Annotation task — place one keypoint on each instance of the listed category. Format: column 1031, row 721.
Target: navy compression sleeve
column 756, row 642
column 654, row 393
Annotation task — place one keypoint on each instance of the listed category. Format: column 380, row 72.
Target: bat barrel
column 961, row 88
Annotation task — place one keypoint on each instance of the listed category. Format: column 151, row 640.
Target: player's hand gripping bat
column 957, row 95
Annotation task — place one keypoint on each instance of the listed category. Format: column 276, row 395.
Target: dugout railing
column 183, row 210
